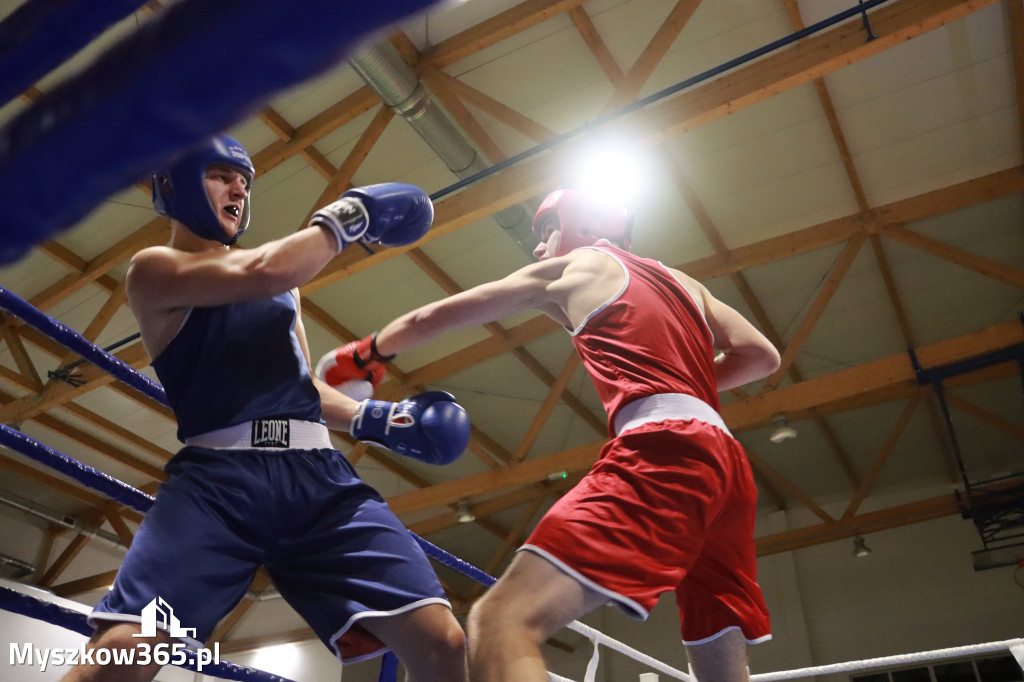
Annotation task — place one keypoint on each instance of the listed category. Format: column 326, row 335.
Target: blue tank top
column 235, row 363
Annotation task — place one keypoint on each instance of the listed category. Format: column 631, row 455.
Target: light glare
column 610, row 171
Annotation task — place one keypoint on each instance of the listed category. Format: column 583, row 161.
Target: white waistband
column 656, row 408
column 266, row 434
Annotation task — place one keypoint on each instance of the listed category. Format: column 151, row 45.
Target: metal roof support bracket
column 995, row 505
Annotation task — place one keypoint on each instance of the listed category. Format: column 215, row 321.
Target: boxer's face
column 228, row 191
column 551, row 236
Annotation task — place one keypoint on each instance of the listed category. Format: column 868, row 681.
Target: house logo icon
column 159, row 611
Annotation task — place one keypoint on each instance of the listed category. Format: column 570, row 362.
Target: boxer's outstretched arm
column 540, row 286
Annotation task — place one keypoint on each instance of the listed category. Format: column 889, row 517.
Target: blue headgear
column 180, row 192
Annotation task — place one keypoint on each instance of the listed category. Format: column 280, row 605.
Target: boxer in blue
column 258, row 482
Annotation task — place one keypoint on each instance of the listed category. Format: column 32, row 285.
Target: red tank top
column 649, row 338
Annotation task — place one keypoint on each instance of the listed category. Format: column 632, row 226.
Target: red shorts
column 668, row 506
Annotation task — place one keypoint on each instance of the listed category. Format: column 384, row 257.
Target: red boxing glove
column 355, row 369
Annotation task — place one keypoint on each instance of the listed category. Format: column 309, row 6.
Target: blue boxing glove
column 430, row 427
column 400, row 214
column 391, row 214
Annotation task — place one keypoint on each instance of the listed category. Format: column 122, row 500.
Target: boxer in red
column 670, row 503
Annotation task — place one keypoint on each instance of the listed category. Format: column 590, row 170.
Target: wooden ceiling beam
column 277, row 123
column 56, row 393
column 54, row 349
column 985, row 417
column 99, row 321
column 340, row 179
column 21, row 358
column 873, row 377
column 495, row 29
column 627, row 89
column 895, row 23
column 518, row 122
column 904, row 391
column 780, row 481
column 133, row 395
column 776, row 73
column 348, row 109
column 544, row 412
column 495, row 504
column 493, row 448
column 890, row 287
column 63, row 255
column 464, row 118
column 1015, row 29
column 156, row 231
column 530, row 471
column 793, row 10
column 480, row 351
column 985, row 266
column 877, row 375
column 767, row 488
column 814, row 57
column 871, row 522
column 74, row 588
column 828, row 289
column 597, row 46
column 117, row 522
column 65, row 558
column 882, row 457
column 920, row 207
column 93, row 443
column 117, row 431
column 72, row 490
column 328, row 322
column 19, row 380
column 597, row 422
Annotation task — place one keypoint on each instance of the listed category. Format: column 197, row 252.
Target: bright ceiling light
column 463, row 514
column 610, row 170
column 783, row 431
column 860, row 548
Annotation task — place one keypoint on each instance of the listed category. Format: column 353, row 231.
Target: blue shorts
column 335, row 551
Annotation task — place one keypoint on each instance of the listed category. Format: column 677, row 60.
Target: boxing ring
column 67, row 137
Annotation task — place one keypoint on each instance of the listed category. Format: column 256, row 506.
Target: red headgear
column 584, row 219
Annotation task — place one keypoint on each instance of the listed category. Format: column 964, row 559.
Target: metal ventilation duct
column 11, row 500
column 18, row 569
column 398, row 86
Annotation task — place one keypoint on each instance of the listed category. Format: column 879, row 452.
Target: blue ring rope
column 38, row 36
column 27, row 605
column 181, row 77
column 74, row 341
column 69, row 466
